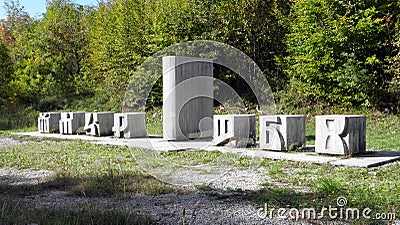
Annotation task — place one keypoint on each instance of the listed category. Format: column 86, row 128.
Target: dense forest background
column 317, row 55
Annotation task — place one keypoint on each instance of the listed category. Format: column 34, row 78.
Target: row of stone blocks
column 334, row 134
column 127, row 125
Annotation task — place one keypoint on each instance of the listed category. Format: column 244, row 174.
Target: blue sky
column 36, row 8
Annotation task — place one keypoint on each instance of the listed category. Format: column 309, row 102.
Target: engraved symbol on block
column 282, row 132
column 340, row 134
column 129, row 125
column 70, row 122
column 48, row 122
column 99, row 123
column 235, row 129
column 273, row 137
column 336, row 130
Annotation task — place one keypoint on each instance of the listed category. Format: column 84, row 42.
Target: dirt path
column 222, row 206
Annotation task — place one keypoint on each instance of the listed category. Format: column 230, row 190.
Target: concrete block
column 237, row 129
column 282, row 132
column 48, row 122
column 99, row 123
column 340, row 134
column 130, row 125
column 187, row 97
column 70, row 122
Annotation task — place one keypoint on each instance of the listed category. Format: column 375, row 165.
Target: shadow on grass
column 15, row 207
column 98, row 186
column 18, row 212
column 310, row 138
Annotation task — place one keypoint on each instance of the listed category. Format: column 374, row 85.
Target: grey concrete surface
column 367, row 159
column 187, row 97
column 130, row 125
column 48, row 122
column 340, row 134
column 70, row 122
column 234, row 129
column 282, row 132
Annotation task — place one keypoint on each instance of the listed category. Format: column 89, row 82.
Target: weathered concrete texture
column 340, row 134
column 70, row 122
column 368, row 159
column 48, row 122
column 239, row 130
column 282, row 132
column 99, row 123
column 130, row 125
column 187, row 97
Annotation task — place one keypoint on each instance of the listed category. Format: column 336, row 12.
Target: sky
column 36, row 8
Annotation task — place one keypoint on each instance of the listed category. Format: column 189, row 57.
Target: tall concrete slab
column 187, row 97
column 48, row 122
column 99, row 123
column 340, row 134
column 70, row 122
column 282, row 132
column 237, row 129
column 130, row 125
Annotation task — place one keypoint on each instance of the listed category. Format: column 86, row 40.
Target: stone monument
column 187, row 97
column 70, row 122
column 48, row 122
column 239, row 130
column 99, row 123
column 129, row 125
column 282, row 132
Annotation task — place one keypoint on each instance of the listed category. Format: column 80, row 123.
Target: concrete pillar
column 48, row 122
column 340, row 134
column 187, row 97
column 99, row 123
column 237, row 128
column 130, row 125
column 282, row 132
column 70, row 122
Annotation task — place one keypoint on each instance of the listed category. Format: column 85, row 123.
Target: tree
column 6, row 71
column 48, row 55
column 336, row 52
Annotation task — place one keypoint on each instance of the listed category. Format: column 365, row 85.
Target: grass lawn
column 84, row 169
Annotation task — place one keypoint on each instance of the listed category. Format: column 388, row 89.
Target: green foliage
column 5, row 73
column 48, row 56
column 336, row 52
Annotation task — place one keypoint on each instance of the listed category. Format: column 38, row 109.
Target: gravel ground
column 195, row 208
column 225, row 206
column 5, row 141
column 12, row 176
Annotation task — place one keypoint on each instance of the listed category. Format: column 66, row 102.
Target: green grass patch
column 84, row 169
column 362, row 188
column 16, row 212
